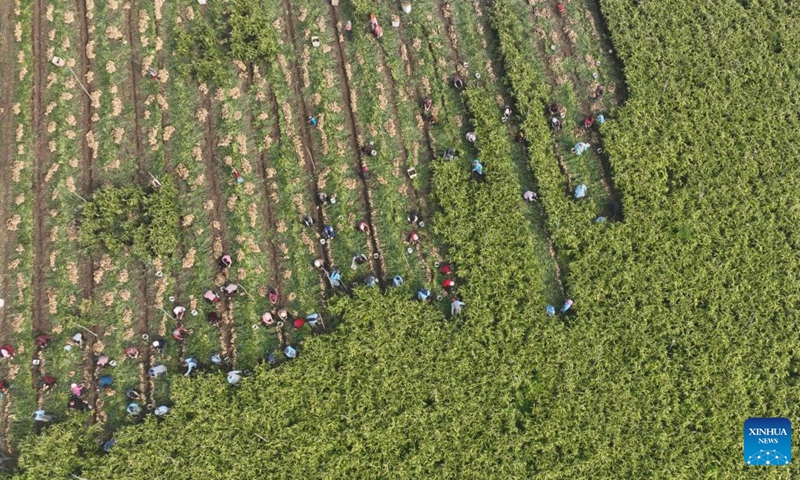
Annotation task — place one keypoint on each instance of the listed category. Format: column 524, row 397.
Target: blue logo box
column 768, row 441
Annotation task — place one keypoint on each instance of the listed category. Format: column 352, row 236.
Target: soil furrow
column 87, row 184
column 583, row 93
column 40, row 161
column 378, row 265
column 8, row 238
column 263, row 164
column 143, row 320
column 221, row 244
column 299, row 105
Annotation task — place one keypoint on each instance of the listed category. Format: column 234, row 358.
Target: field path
column 378, row 264
column 143, row 320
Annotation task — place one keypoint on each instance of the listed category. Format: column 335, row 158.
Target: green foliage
column 243, row 32
column 128, row 217
column 252, row 36
column 61, row 453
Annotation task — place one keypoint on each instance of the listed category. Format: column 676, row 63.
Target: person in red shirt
column 298, row 323
column 132, row 352
column 588, row 121
column 448, row 285
column 42, row 341
column 180, row 333
column 48, row 382
column 413, row 238
column 446, row 269
column 7, row 351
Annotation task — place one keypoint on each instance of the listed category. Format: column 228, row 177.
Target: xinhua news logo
column 768, row 441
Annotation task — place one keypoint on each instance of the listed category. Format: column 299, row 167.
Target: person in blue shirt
column 423, row 294
column 567, row 305
column 105, row 381
column 477, row 167
column 328, row 232
column 551, row 311
column 335, row 278
column 397, row 280
column 313, row 121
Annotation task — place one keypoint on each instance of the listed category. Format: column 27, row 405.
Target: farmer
column 363, row 227
column 471, row 137
column 230, row 290
column 272, row 295
column 370, row 281
column 234, row 377
column 348, row 29
column 191, row 364
column 328, row 232
column 290, row 352
column 448, row 285
column 105, row 381
column 132, row 394
column 506, row 113
column 132, row 352
column 445, row 269
column 272, row 359
column 369, row 150
column 423, row 294
column 520, row 136
column 601, row 119
column 7, row 351
column 413, row 238
column 450, row 154
column 42, row 341
column 322, row 198
column 216, row 359
column 376, row 29
column 580, row 191
column 308, row 221
column 530, row 196
column 412, row 217
column 41, row 416
column 211, row 296
column 237, row 175
column 179, row 312
column 48, row 382
column 102, row 361
column 282, row 313
column 313, row 318
column 567, row 305
column 598, row 92
column 76, row 403
column 397, row 280
column 267, row 319
column 364, row 172
column 160, row 411
column 588, row 121
column 180, row 334
column 335, row 278
column 134, row 409
column 555, row 124
column 580, row 147
column 226, row 261
column 477, row 168
column 359, row 259
column 159, row 344
column 455, row 306
column 458, row 82
column 554, row 108
column 157, row 371
column 77, row 389
column 313, row 121
column 109, row 445
column 427, row 104
column 298, row 323
column 213, row 318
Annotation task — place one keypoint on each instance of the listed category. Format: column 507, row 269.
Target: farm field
column 165, row 135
